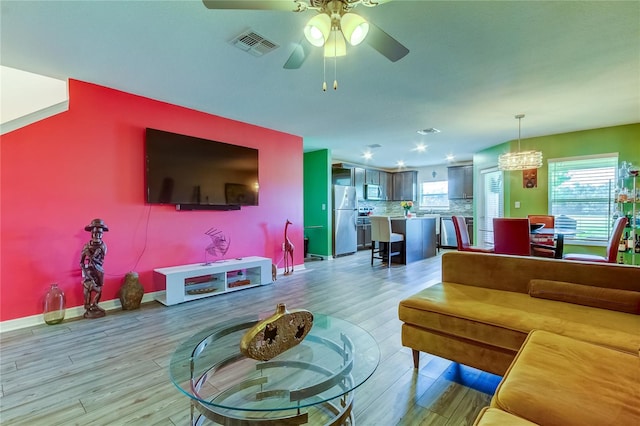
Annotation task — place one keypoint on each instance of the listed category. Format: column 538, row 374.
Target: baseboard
column 70, row 313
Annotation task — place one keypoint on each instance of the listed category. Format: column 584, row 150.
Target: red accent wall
column 60, row 173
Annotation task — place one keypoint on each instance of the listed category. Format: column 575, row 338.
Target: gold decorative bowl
column 276, row 334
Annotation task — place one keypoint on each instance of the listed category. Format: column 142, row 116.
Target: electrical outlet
column 517, row 204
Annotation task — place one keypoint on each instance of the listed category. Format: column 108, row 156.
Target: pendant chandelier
column 520, row 160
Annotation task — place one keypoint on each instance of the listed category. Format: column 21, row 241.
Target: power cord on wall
column 144, row 247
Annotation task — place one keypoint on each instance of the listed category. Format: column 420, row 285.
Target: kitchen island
column 419, row 237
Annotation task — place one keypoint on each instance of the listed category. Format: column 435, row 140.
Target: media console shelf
column 189, row 282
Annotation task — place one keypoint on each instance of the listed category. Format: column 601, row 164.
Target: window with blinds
column 435, row 194
column 581, row 194
column 492, row 205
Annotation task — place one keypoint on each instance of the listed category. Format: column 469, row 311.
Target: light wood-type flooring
column 114, row 370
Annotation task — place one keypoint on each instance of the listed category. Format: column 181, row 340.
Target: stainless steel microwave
column 372, row 192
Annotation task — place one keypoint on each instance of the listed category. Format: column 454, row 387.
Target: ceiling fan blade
column 286, row 5
column 385, row 44
column 298, row 56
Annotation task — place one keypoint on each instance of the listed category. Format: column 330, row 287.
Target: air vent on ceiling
column 253, row 43
column 374, row 145
column 427, row 131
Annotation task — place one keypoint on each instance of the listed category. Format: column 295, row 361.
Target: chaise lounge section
column 487, row 304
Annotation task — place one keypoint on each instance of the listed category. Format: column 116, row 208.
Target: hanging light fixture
column 354, row 28
column 317, row 29
column 520, row 160
column 332, row 28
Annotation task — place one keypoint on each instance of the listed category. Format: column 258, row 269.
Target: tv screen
column 187, row 170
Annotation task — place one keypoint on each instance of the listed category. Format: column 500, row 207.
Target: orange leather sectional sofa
column 543, row 324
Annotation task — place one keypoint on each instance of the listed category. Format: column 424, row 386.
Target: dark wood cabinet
column 358, row 182
column 460, row 182
column 405, row 186
column 364, row 236
column 386, row 182
column 372, row 177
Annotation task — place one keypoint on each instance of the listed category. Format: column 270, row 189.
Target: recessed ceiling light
column 421, row 147
column 450, row 157
column 368, row 155
column 427, row 131
column 400, row 163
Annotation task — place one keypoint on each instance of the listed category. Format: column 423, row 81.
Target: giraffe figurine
column 288, row 250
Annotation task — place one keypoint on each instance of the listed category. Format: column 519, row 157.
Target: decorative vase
column 406, row 212
column 131, row 292
column 54, row 305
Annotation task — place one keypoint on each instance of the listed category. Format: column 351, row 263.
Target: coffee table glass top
column 333, row 359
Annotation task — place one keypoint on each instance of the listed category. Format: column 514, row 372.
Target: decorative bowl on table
column 535, row 226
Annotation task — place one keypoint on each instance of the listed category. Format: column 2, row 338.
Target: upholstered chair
column 384, row 239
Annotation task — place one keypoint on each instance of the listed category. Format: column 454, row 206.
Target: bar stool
column 381, row 234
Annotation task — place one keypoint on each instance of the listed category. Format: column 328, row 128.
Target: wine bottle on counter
column 622, row 245
column 630, row 242
column 637, row 248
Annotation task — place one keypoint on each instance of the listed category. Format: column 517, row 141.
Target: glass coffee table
column 311, row 383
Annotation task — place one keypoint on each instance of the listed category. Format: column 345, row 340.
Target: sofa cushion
column 512, row 273
column 556, row 380
column 490, row 416
column 598, row 297
column 504, row 318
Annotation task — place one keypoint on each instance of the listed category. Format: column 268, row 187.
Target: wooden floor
column 114, row 370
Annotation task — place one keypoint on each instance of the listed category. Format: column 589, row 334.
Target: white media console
column 189, row 282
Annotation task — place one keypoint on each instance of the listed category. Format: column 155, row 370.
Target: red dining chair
column 543, row 245
column 612, row 246
column 511, row 236
column 462, row 236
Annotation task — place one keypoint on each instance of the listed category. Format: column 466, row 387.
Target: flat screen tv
column 199, row 173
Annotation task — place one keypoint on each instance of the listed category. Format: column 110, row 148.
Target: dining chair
column 543, row 245
column 384, row 238
column 462, row 236
column 511, row 236
column 612, row 246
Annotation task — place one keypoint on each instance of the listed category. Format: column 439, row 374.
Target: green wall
column 317, row 201
column 625, row 140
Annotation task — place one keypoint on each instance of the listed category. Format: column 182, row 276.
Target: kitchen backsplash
column 393, row 208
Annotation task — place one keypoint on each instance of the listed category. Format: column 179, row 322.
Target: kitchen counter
column 419, row 236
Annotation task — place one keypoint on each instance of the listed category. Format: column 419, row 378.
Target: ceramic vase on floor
column 131, row 292
column 54, row 305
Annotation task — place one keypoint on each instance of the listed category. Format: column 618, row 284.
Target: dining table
column 558, row 234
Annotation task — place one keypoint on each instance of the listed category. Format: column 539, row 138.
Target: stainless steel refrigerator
column 345, row 213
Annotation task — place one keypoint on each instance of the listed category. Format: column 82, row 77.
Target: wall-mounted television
column 197, row 173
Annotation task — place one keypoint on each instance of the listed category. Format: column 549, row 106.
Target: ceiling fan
column 334, row 24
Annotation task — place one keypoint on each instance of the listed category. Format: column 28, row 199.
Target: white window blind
column 581, row 194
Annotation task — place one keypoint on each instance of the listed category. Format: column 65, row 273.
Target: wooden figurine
column 91, row 263
column 288, row 250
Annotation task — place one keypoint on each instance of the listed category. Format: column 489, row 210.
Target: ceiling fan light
column 317, row 29
column 335, row 45
column 354, row 27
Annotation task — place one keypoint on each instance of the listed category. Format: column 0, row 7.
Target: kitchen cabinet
column 386, row 182
column 364, row 236
column 372, row 177
column 341, row 176
column 460, row 182
column 358, row 182
column 405, row 185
